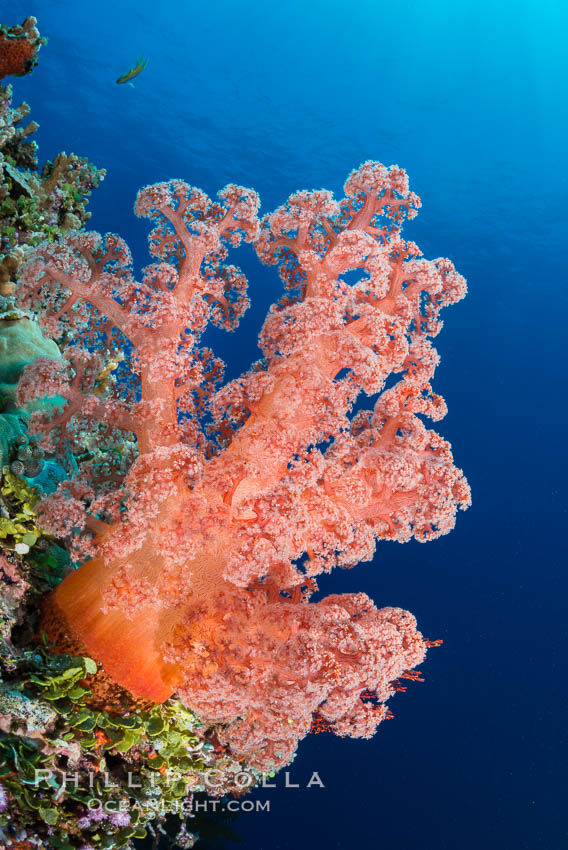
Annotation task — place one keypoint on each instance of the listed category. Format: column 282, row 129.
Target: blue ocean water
column 470, row 98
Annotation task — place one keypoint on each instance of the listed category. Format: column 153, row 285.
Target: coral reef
column 59, row 752
column 34, row 205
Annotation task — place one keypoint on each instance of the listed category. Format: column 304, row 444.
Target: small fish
column 138, row 68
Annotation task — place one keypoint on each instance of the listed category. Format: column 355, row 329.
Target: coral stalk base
column 129, row 652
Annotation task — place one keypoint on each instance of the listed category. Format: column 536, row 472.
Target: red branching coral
column 199, row 572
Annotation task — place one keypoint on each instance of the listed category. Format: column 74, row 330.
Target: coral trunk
column 129, row 651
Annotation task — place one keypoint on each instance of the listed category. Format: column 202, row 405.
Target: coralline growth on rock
column 35, row 205
column 200, row 556
column 19, row 46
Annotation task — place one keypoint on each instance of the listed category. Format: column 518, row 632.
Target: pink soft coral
column 201, row 583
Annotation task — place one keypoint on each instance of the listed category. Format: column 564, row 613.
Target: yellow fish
column 125, row 78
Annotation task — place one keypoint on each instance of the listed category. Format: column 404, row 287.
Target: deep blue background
column 470, row 98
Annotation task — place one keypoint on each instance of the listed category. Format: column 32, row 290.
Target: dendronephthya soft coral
column 202, row 537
